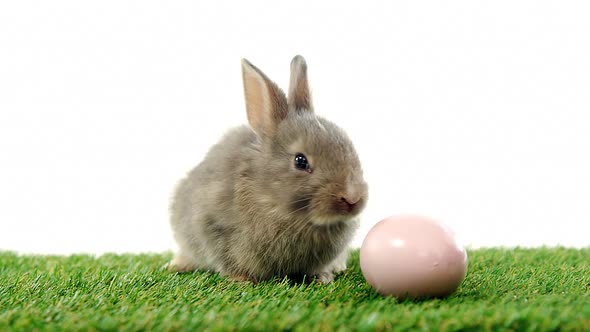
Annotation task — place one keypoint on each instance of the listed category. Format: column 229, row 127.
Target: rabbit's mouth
column 347, row 206
column 327, row 207
column 337, row 211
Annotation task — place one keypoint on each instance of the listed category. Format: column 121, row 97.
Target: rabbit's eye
column 301, row 162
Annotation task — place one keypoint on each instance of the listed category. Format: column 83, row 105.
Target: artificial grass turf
column 505, row 289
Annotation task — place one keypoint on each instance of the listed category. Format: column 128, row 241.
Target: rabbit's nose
column 349, row 202
column 351, row 199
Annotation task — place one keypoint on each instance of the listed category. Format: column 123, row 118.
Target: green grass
column 517, row 289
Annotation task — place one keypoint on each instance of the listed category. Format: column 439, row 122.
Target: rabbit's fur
column 248, row 212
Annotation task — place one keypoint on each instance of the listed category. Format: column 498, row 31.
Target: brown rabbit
column 280, row 197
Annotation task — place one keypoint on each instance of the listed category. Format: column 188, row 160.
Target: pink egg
column 410, row 256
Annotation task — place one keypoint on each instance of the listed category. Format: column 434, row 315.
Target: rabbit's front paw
column 324, row 277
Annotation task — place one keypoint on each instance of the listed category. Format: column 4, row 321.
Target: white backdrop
column 476, row 113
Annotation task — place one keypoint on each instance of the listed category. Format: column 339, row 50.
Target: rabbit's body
column 249, row 212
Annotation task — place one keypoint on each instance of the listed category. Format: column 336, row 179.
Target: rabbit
column 279, row 197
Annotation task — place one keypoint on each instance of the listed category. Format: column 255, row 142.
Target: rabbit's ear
column 266, row 104
column 299, row 94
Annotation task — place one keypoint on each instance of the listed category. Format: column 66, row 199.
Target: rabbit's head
column 308, row 167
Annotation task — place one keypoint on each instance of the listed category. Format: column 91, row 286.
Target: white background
column 473, row 112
